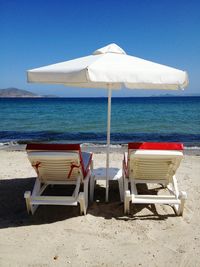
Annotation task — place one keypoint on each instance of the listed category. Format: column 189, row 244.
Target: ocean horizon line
column 96, row 97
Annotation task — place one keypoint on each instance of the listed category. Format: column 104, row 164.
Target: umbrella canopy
column 111, row 68
column 110, row 65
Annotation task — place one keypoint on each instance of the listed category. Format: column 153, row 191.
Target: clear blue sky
column 36, row 33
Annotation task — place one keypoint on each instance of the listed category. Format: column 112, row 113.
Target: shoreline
column 96, row 148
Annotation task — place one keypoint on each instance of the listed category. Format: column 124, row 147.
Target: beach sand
column 58, row 236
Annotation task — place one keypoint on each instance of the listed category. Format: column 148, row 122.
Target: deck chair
column 154, row 163
column 58, row 164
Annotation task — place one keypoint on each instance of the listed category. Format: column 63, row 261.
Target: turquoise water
column 84, row 119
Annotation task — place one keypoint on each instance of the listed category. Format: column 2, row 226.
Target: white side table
column 115, row 174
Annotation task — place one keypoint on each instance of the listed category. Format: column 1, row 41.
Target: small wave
column 12, row 138
column 192, row 147
column 10, row 143
column 101, row 145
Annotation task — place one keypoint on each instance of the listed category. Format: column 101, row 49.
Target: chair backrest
column 154, row 161
column 57, row 162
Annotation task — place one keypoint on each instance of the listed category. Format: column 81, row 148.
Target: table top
column 113, row 173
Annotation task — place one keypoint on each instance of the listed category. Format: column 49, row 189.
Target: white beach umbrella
column 111, row 68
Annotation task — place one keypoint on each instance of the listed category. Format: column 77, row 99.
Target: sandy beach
column 58, row 236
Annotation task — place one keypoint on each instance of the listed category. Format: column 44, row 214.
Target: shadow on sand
column 13, row 209
column 115, row 209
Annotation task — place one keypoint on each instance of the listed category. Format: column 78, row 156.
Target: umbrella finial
column 111, row 48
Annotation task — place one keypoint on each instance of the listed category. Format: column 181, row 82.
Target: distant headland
column 15, row 92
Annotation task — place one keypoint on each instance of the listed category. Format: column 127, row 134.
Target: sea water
column 84, row 120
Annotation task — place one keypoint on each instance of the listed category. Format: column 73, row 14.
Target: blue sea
column 84, row 120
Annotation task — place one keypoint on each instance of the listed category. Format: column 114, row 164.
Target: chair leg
column 30, row 208
column 81, row 200
column 83, row 196
column 182, row 196
column 127, row 199
column 85, row 190
column 121, row 188
column 27, row 196
column 179, row 208
column 92, row 185
column 126, row 181
column 107, row 190
column 37, row 191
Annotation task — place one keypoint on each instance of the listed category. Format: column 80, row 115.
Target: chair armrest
column 86, row 162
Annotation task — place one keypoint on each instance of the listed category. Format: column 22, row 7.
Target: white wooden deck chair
column 153, row 163
column 62, row 164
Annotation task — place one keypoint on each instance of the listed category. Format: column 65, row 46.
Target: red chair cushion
column 55, row 147
column 156, row 146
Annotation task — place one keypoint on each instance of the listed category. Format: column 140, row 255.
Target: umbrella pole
column 108, row 141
